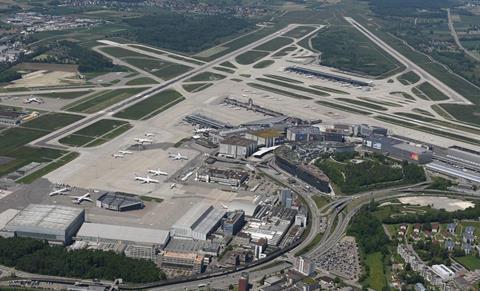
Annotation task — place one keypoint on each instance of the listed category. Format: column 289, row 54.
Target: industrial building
column 291, row 163
column 328, row 76
column 54, row 223
column 198, row 222
column 398, row 149
column 205, row 121
column 119, row 202
column 237, row 147
column 98, row 232
column 303, row 133
column 266, row 137
column 206, row 248
column 234, row 222
column 228, row 177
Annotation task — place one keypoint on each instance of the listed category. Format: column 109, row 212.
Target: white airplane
column 178, row 156
column 202, row 130
column 80, row 199
column 196, row 136
column 33, row 100
column 145, row 180
column 59, row 192
column 224, row 206
column 173, row 186
column 157, row 173
column 116, row 156
column 143, row 140
column 149, row 134
column 126, row 152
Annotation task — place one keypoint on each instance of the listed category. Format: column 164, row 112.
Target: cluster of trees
column 370, row 174
column 67, row 52
column 368, row 231
column 432, row 253
column 38, row 257
column 185, row 33
column 8, row 75
column 439, row 183
column 435, row 215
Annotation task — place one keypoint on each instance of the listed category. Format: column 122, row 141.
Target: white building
column 198, row 222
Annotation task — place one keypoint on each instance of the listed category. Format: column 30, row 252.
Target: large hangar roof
column 40, row 216
column 124, row 233
column 248, row 207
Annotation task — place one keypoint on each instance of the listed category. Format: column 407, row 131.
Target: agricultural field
column 151, row 106
column 96, row 133
column 103, row 100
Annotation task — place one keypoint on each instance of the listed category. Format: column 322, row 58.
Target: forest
column 184, row 33
column 38, row 257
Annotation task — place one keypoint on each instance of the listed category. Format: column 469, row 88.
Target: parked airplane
column 126, row 152
column 80, row 199
column 145, row 180
column 143, row 140
column 157, row 172
column 59, row 192
column 173, row 186
column 149, row 134
column 33, row 100
column 116, row 156
column 178, row 156
column 224, row 206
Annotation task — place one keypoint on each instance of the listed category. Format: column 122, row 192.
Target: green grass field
column 263, row 64
column 228, row 65
column 64, row 95
column 431, row 92
column 281, row 78
column 96, row 133
column 151, row 106
column 320, row 201
column 294, row 87
column 49, row 168
column 52, row 121
column 222, row 69
column 250, row 57
column 279, row 91
column 470, row 262
column 376, row 278
column 409, row 78
column 171, row 71
column 330, row 90
column 465, row 113
column 205, row 76
column 284, row 51
column 343, row 107
column 274, row 44
column 299, row 31
column 104, row 100
column 141, row 81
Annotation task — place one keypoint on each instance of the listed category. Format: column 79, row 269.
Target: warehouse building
column 228, row 177
column 266, row 137
column 98, row 232
column 398, row 149
column 198, row 222
column 119, row 202
column 54, row 223
column 237, row 147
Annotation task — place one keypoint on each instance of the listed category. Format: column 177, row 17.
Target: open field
column 250, row 57
column 151, row 106
column 96, row 133
column 278, row 91
column 299, row 31
column 376, row 279
column 104, row 100
column 65, row 95
column 49, row 168
column 274, row 44
column 263, row 64
column 342, row 107
column 281, row 78
column 320, row 201
column 205, row 76
column 431, row 92
column 284, row 51
column 470, row 262
column 465, row 113
column 141, row 81
column 409, row 78
column 363, row 104
column 226, row 70
column 51, row 121
column 330, row 90
column 196, row 87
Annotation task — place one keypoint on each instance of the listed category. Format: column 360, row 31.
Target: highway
column 458, row 98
